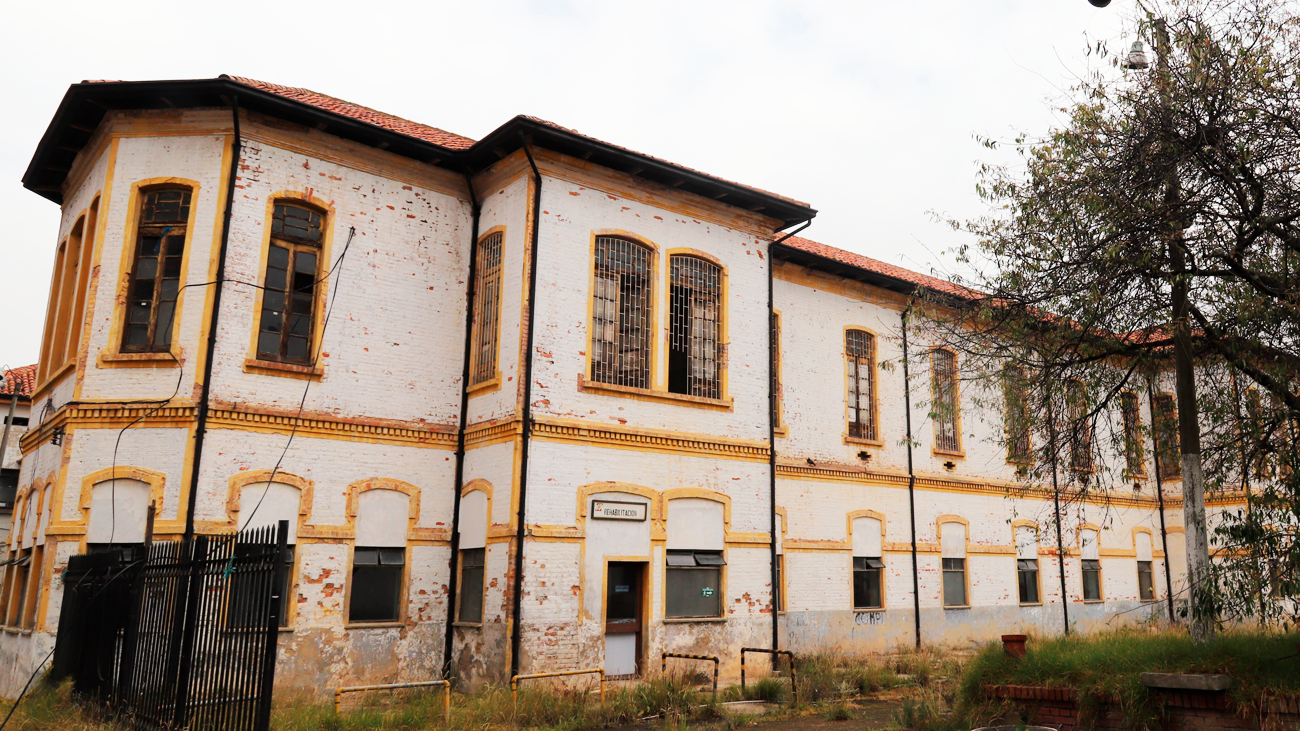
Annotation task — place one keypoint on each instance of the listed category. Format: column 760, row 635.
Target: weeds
column 51, row 708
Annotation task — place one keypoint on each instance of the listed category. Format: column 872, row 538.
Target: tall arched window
column 946, row 409
column 620, row 313
column 292, row 274
column 860, row 354
column 1015, row 392
column 696, row 294
column 156, row 270
column 487, row 308
column 379, row 557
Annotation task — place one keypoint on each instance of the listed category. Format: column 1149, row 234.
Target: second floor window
column 620, row 314
column 860, row 352
column 1133, row 458
column 289, row 297
column 487, row 309
column 156, row 270
column 1166, row 425
column 1015, row 392
column 693, row 357
column 943, row 384
column 1076, row 403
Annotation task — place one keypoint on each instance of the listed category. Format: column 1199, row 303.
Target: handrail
column 664, row 666
column 446, row 696
column 794, row 683
column 514, row 681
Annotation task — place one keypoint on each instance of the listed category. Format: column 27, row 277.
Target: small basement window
column 376, row 584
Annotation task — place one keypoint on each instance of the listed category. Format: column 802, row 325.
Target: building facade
column 15, row 413
column 515, row 398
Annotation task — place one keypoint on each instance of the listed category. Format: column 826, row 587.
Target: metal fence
column 182, row 636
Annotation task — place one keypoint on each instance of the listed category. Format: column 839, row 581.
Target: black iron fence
column 181, row 636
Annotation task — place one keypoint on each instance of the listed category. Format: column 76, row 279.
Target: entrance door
column 623, row 618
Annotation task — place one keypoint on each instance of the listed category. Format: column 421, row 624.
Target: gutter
column 1160, row 495
column 453, row 577
column 200, row 430
column 527, row 416
column 911, row 480
column 773, row 354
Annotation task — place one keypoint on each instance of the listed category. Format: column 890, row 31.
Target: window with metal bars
column 943, row 385
column 860, row 353
column 290, row 287
column 1016, row 394
column 693, row 353
column 620, row 313
column 487, row 309
column 1167, row 435
column 156, row 270
column 1076, row 403
column 1132, row 413
column 1258, row 444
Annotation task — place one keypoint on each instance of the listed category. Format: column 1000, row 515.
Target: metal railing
column 514, row 681
column 794, row 683
column 711, row 658
column 446, row 695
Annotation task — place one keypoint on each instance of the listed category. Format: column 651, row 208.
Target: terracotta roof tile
column 876, row 266
column 389, row 122
column 25, row 377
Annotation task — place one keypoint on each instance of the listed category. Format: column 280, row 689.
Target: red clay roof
column 876, row 266
column 25, row 377
column 389, row 122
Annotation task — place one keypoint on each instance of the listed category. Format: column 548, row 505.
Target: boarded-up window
column 860, row 356
column 156, row 270
column 693, row 353
column 1167, row 449
column 291, row 284
column 1076, row 403
column 943, row 387
column 1132, row 413
column 620, row 313
column 1016, row 394
column 487, row 309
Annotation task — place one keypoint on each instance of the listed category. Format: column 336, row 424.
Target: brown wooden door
column 623, row 617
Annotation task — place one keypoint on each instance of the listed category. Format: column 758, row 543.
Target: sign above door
column 614, row 510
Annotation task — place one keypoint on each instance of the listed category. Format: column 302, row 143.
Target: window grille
column 944, row 385
column 289, row 297
column 1167, row 433
column 860, row 351
column 1076, row 401
column 693, row 353
column 156, row 271
column 1017, row 414
column 620, row 314
column 1133, row 458
column 1027, row 578
column 487, row 309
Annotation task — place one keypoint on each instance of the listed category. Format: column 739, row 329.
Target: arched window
column 487, row 308
column 1166, row 426
column 119, row 516
column 696, row 297
column 1027, row 576
column 1015, row 392
column 860, row 355
column 473, row 556
column 946, row 401
column 379, row 556
column 156, row 270
column 620, row 313
column 1080, row 414
column 696, row 537
column 953, row 545
column 1134, row 460
column 868, row 564
column 1090, row 565
column 263, row 504
column 291, row 284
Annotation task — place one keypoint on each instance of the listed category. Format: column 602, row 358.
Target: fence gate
column 181, row 636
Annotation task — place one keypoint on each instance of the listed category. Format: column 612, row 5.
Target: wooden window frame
column 1080, row 437
column 1130, row 406
column 295, row 247
column 1165, row 428
column 166, row 232
column 940, row 447
column 854, row 362
column 1019, row 428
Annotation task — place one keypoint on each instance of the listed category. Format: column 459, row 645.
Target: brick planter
column 1058, row 708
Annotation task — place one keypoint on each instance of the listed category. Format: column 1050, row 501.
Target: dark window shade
column 867, row 574
column 694, row 584
column 1091, row 580
column 376, row 584
column 1027, row 578
column 954, row 582
column 1146, row 587
column 471, row 585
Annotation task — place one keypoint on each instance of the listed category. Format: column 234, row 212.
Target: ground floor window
column 470, row 607
column 694, row 584
column 1146, row 587
column 778, row 591
column 867, row 573
column 954, row 582
column 1091, row 580
column 376, row 584
column 248, row 595
column 1027, row 577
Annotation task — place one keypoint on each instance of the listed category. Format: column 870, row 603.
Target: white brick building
column 628, row 447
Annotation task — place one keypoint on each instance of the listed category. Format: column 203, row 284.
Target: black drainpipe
column 236, row 149
column 911, row 480
column 452, row 577
column 1160, row 495
column 773, row 354
column 516, row 633
column 1056, row 501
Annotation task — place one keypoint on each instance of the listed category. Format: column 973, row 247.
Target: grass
column 51, row 708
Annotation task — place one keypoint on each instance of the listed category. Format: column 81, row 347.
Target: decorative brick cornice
column 649, row 440
column 358, row 430
column 106, row 416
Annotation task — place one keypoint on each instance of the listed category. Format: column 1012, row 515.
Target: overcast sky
column 865, row 110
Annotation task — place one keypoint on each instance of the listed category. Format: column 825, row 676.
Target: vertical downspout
column 453, row 563
column 236, row 149
column 911, row 480
column 1056, row 502
column 1160, row 495
column 772, row 355
column 516, row 633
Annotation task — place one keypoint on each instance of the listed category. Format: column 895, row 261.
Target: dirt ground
column 864, row 713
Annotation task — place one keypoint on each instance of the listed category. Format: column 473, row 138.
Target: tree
column 1159, row 229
